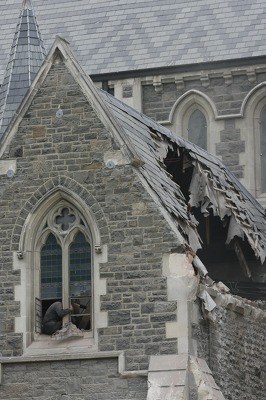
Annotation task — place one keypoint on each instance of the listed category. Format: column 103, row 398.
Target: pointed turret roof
column 26, row 56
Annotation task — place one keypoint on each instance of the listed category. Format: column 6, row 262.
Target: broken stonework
column 69, row 330
column 170, row 378
column 206, row 386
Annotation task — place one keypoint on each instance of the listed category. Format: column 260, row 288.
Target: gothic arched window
column 65, row 264
column 197, row 129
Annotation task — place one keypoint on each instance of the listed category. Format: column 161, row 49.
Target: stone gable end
column 62, row 143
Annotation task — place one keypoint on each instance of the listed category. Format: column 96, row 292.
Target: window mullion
column 65, row 279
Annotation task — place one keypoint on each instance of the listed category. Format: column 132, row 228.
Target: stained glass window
column 197, row 129
column 51, row 269
column 79, row 267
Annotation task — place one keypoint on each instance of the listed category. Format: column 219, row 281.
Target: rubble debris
column 69, row 330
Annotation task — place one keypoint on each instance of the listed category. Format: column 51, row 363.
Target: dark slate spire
column 26, row 56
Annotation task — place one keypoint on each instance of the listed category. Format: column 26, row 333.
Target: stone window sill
column 44, row 344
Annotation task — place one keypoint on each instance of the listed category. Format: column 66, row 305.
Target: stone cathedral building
column 146, row 207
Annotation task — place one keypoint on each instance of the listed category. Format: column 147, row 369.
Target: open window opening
column 233, row 263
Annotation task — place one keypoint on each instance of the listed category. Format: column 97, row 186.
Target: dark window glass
column 197, row 129
column 51, row 269
column 263, row 148
column 80, row 281
column 80, row 267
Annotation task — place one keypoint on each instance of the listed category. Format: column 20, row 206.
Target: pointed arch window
column 197, row 129
column 263, row 148
column 65, row 272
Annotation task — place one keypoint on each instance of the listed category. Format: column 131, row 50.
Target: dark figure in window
column 82, row 316
column 52, row 320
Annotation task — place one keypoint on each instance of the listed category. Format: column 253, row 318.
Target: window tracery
column 65, row 272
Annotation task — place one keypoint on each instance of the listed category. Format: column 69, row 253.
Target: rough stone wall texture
column 69, row 380
column 234, row 348
column 230, row 147
column 70, row 151
column 201, row 333
column 158, row 104
column 226, row 93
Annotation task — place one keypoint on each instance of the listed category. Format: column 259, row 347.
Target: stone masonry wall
column 227, row 93
column 69, row 151
column 234, row 348
column 70, row 380
column 238, row 356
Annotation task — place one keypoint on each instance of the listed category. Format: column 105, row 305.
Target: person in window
column 82, row 321
column 52, row 320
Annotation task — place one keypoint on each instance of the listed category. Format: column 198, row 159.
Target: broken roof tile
column 220, row 191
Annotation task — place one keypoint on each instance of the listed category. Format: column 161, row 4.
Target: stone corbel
column 98, row 249
column 205, row 81
column 228, row 79
column 157, row 83
column 20, row 255
column 251, row 74
column 179, row 83
column 111, row 84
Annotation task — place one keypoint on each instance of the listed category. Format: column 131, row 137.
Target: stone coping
column 237, row 304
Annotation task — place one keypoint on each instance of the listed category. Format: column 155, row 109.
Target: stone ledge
column 60, row 357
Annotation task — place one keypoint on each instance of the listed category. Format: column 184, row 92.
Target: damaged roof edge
column 221, row 191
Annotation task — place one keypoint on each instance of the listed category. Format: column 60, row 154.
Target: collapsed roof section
column 26, row 56
column 212, row 187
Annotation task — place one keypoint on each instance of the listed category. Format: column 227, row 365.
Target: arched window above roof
column 193, row 117
column 262, row 123
column 197, row 129
column 253, row 127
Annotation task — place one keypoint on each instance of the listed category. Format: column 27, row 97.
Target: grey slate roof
column 26, row 56
column 212, row 186
column 122, row 35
